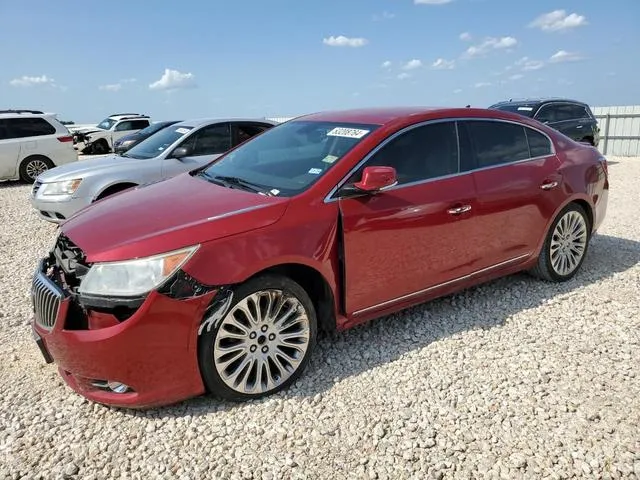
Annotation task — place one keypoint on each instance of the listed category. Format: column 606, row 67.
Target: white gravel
column 514, row 379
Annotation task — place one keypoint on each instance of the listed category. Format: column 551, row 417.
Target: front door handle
column 549, row 185
column 459, row 210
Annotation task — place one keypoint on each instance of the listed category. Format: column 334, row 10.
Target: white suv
column 100, row 139
column 32, row 142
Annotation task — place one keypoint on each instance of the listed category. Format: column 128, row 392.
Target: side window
column 495, row 143
column 244, row 131
column 123, row 126
column 30, row 127
column 212, row 139
column 539, row 145
column 4, row 130
column 547, row 114
column 422, row 153
column 139, row 124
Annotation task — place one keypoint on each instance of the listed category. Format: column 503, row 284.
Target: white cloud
column 529, row 65
column 465, row 36
column 482, row 84
column 457, row 90
column 563, row 56
column 27, row 81
column 129, row 80
column 404, row 76
column 383, row 16
column 442, row 64
column 558, row 21
column 113, row 87
column 517, row 76
column 342, row 41
column 386, row 64
column 173, row 80
column 431, row 2
column 491, row 43
column 412, row 64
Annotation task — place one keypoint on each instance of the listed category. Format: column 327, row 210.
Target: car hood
column 77, row 169
column 168, row 215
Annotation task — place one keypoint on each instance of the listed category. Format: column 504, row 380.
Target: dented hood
column 175, row 213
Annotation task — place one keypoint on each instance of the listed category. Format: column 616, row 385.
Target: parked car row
column 219, row 278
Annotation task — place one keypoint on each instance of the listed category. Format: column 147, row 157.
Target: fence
column 619, row 130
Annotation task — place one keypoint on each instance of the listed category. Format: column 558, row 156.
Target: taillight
column 65, row 139
column 603, row 160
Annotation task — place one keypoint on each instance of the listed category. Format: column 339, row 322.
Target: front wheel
column 100, row 147
column 261, row 343
column 565, row 247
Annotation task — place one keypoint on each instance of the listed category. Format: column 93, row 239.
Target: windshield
column 289, row 158
column 523, row 109
column 154, row 127
column 106, row 124
column 154, row 145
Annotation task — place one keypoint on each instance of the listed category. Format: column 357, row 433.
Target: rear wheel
column 263, row 341
column 566, row 245
column 33, row 166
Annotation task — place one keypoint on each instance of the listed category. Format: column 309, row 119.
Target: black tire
column 214, row 383
column 99, row 147
column 544, row 268
column 33, row 166
column 588, row 140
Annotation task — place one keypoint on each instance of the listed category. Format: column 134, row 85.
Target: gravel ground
column 514, row 379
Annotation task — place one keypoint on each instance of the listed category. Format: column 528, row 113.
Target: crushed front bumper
column 153, row 352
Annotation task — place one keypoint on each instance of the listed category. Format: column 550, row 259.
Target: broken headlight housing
column 136, row 277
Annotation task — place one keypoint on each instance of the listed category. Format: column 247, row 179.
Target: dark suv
column 574, row 119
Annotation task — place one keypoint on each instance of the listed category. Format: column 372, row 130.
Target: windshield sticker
column 525, row 109
column 347, row 132
column 182, row 130
column 274, row 191
column 315, row 171
column 329, row 159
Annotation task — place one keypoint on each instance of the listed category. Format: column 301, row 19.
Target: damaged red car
column 219, row 279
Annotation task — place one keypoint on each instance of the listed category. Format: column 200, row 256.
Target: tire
column 254, row 342
column 558, row 244
column 588, row 140
column 33, row 166
column 99, row 147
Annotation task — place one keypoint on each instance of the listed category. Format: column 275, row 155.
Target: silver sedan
column 60, row 192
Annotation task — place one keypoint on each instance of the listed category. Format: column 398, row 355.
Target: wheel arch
column 112, row 188
column 314, row 283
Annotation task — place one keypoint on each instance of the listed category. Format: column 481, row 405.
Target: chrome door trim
column 329, row 197
column 440, row 285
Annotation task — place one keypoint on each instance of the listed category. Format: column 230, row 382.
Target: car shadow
column 424, row 324
column 6, row 184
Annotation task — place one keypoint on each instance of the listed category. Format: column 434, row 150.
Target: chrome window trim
column 330, row 197
column 443, row 284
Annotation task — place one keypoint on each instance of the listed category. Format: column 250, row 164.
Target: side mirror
column 374, row 180
column 181, row 152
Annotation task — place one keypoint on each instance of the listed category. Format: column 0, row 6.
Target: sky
column 208, row 58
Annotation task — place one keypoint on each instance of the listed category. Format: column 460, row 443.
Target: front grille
column 47, row 299
column 36, row 187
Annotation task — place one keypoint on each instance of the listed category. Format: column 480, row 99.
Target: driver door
column 205, row 145
column 408, row 238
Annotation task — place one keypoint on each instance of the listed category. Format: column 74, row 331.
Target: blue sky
column 207, row 58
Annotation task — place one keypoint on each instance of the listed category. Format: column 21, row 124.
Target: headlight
column 65, row 187
column 134, row 277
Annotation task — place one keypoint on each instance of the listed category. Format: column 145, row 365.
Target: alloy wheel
column 261, row 342
column 35, row 168
column 568, row 243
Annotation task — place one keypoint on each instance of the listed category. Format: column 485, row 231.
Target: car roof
column 198, row 122
column 373, row 116
column 26, row 115
column 538, row 101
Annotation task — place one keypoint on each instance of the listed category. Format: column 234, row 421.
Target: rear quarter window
column 539, row 145
column 30, row 127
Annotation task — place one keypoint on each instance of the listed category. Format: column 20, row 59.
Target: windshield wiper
column 226, row 180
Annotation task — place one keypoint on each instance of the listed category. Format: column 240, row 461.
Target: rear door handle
column 459, row 210
column 549, row 185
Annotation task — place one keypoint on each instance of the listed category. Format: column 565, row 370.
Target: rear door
column 409, row 238
column 9, row 150
column 516, row 177
column 206, row 144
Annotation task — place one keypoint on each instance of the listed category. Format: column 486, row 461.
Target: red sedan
column 218, row 280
